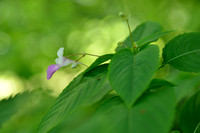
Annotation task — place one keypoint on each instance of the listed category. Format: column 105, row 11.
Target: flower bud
column 74, row 65
column 123, row 15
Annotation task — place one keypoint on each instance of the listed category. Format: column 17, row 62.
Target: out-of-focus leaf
column 82, row 91
column 189, row 116
column 151, row 38
column 153, row 113
column 28, row 109
column 130, row 74
column 158, row 83
column 186, row 84
column 10, row 106
column 144, row 30
column 183, row 52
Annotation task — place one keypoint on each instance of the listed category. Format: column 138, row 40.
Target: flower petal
column 66, row 62
column 51, row 70
column 60, row 61
column 60, row 52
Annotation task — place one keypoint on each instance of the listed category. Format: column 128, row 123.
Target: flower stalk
column 124, row 16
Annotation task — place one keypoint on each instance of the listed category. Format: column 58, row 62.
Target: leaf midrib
column 184, row 54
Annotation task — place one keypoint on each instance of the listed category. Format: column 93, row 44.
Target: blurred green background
column 31, row 32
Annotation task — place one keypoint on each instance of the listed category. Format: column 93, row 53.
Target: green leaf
column 158, row 83
column 79, row 117
column 99, row 61
column 186, row 83
column 153, row 113
column 151, row 38
column 25, row 111
column 10, row 106
column 144, row 30
column 82, row 91
column 183, row 52
column 176, row 131
column 75, row 119
column 130, row 74
column 189, row 116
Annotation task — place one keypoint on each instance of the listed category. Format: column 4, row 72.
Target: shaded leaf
column 153, row 113
column 75, row 119
column 130, row 74
column 176, row 131
column 189, row 116
column 27, row 109
column 10, row 106
column 186, row 83
column 79, row 117
column 158, row 83
column 183, row 52
column 82, row 91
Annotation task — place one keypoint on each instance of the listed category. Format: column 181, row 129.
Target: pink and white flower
column 60, row 62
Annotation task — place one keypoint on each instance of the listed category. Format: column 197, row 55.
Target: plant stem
column 80, row 58
column 74, row 55
column 82, row 54
column 92, row 55
column 134, row 46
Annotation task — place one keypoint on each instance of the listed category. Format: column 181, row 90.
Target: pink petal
column 51, row 70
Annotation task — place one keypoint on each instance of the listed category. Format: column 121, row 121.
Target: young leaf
column 82, row 91
column 144, row 30
column 189, row 117
column 183, row 52
column 130, row 74
column 153, row 113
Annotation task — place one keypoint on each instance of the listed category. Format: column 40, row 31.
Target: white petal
column 66, row 62
column 60, row 61
column 60, row 52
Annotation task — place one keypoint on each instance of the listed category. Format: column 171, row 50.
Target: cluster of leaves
column 123, row 93
column 123, row 96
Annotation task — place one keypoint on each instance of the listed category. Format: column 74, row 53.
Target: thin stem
column 82, row 64
column 134, row 46
column 82, row 54
column 80, row 58
column 92, row 55
column 74, row 55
